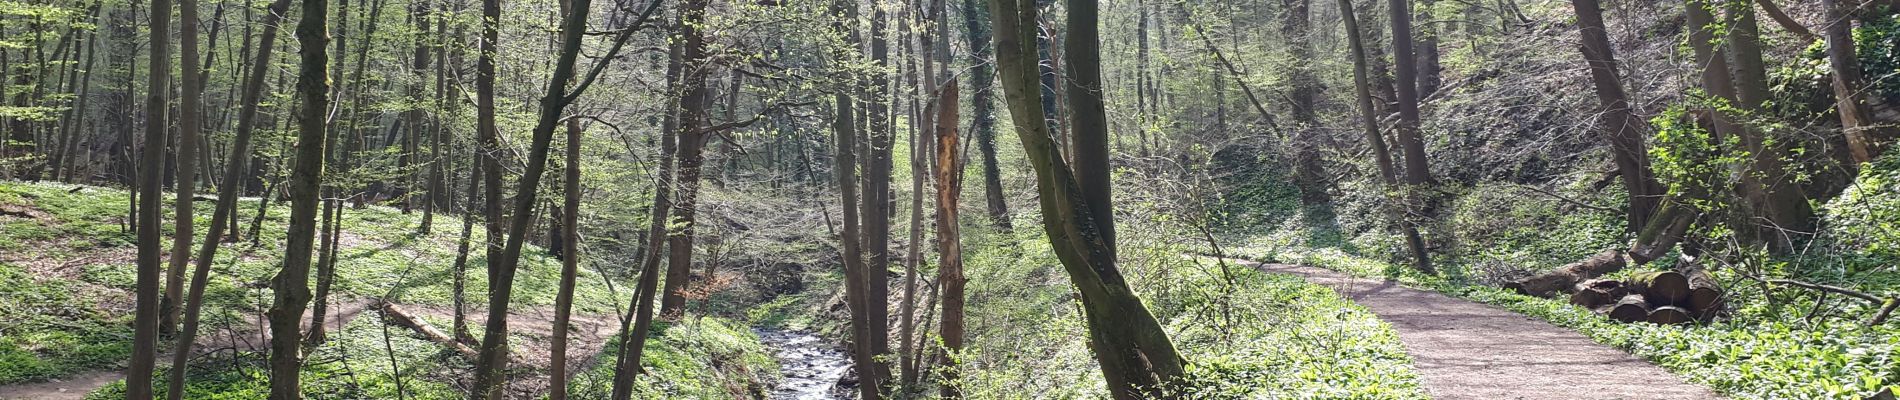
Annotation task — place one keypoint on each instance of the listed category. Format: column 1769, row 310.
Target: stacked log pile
column 1659, row 297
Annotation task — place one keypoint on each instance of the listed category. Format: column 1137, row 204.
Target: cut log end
column 1668, row 288
column 1631, row 308
column 1668, row 315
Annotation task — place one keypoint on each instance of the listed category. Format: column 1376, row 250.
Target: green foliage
column 1877, row 45
column 697, row 358
column 1864, row 222
column 66, row 275
column 1245, row 334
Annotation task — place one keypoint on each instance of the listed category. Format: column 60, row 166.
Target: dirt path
column 1467, row 350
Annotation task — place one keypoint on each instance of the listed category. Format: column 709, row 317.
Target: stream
column 811, row 366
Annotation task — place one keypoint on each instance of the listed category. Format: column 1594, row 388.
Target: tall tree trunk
column 190, row 121
column 1856, row 121
column 489, row 377
column 419, row 11
column 1427, row 50
column 877, row 214
column 907, row 308
column 459, row 298
column 570, row 259
column 949, row 236
column 1619, row 126
column 291, row 286
column 1309, row 173
column 976, row 26
column 1134, row 351
column 226, row 209
column 1778, row 202
column 690, row 155
column 138, row 378
column 845, row 125
column 1369, row 119
column 633, row 340
column 1418, row 174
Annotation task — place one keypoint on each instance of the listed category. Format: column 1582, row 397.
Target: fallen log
column 1657, row 237
column 1631, row 308
column 1665, row 288
column 1565, row 279
column 400, row 317
column 1668, row 315
column 1597, row 293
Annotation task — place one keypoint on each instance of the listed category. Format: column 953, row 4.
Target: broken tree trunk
column 397, row 315
column 1657, row 237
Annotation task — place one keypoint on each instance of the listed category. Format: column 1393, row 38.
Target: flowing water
column 811, row 367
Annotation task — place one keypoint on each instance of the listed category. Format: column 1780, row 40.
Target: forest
column 986, row 199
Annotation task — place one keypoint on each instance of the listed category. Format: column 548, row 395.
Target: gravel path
column 1467, row 350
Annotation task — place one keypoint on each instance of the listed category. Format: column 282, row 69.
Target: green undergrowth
column 67, row 271
column 1752, row 357
column 697, row 358
column 1245, row 334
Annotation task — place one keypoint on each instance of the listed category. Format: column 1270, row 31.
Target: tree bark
column 877, row 213
column 291, row 286
column 690, row 155
column 1856, row 120
column 1619, row 126
column 949, row 243
column 633, row 342
column 190, row 121
column 138, row 377
column 983, row 107
column 570, row 260
column 326, row 274
column 1418, row 173
column 1134, row 351
column 1767, row 182
column 1369, row 119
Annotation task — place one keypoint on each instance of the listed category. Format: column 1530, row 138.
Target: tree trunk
column 460, row 270
column 949, row 243
column 326, row 274
column 570, row 260
column 877, row 215
column 291, row 286
column 690, row 155
column 1427, row 51
column 189, row 123
column 1619, row 126
column 1767, row 183
column 1370, row 121
column 1856, row 121
column 1135, row 353
column 983, row 107
column 633, row 341
column 1418, row 173
column 489, row 377
column 138, row 376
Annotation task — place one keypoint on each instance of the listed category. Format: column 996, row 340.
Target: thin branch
column 1567, row 199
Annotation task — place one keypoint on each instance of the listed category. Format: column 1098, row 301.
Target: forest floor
column 1467, row 350
column 592, row 334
